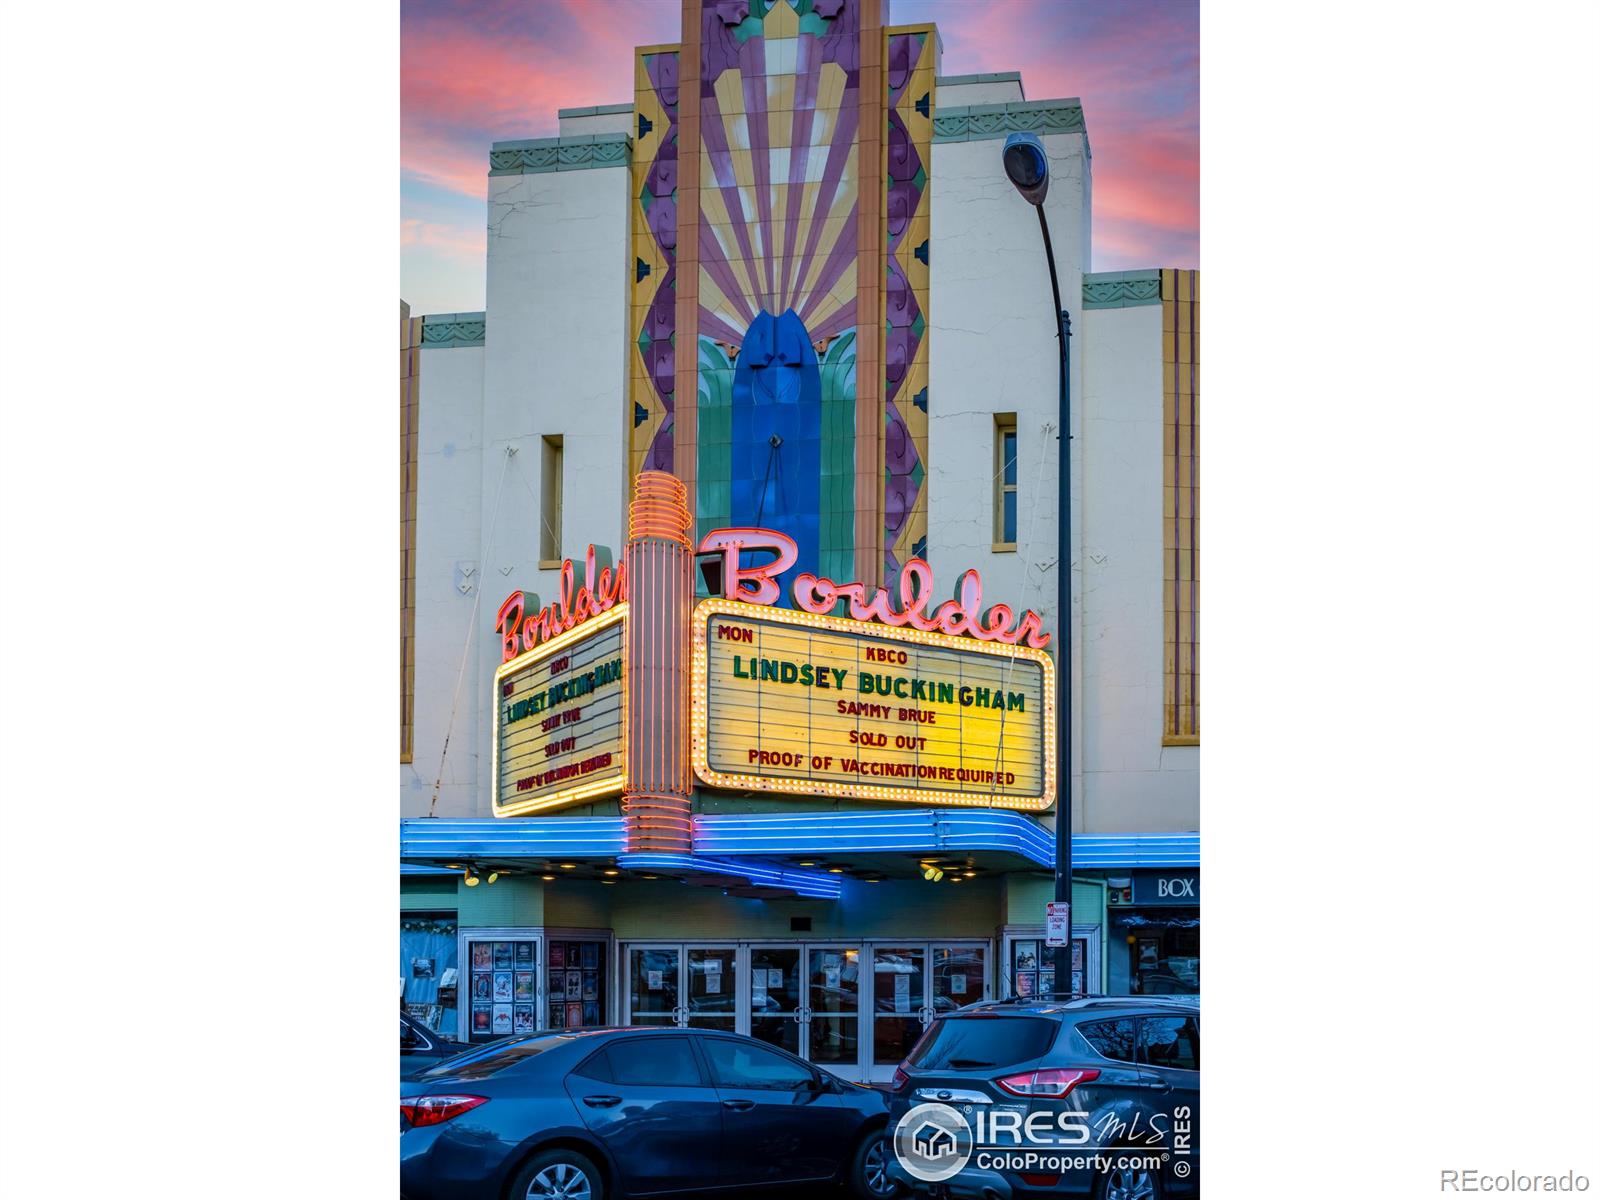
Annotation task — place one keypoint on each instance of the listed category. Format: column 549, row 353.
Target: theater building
column 729, row 539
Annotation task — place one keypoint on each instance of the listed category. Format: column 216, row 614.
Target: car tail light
column 1053, row 1083
column 1036, row 1180
column 900, row 1079
column 436, row 1110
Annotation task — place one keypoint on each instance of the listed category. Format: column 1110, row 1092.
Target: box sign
column 559, row 719
column 816, row 705
column 1153, row 887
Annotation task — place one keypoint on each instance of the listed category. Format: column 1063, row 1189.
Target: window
column 738, row 1064
column 482, row 1064
column 655, row 1062
column 1170, row 1042
column 983, row 1041
column 1112, row 1039
column 1005, row 481
column 550, row 506
column 428, row 969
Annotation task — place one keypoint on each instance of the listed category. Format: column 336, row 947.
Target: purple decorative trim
column 661, row 320
column 903, row 468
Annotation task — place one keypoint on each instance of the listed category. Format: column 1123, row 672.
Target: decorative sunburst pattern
column 912, row 65
column 779, row 195
column 779, row 176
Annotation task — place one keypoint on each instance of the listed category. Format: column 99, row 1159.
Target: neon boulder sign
column 523, row 627
column 962, row 616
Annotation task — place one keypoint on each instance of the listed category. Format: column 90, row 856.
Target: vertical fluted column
column 660, row 572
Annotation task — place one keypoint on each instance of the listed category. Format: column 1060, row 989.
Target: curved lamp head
column 1026, row 166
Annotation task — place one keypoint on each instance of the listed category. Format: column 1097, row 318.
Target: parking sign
column 1057, row 923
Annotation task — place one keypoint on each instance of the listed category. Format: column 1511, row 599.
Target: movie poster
column 502, row 987
column 591, row 956
column 524, row 986
column 480, row 1018
column 591, row 1012
column 558, row 954
column 524, row 955
column 482, row 956
column 522, row 1018
column 574, row 1014
column 502, row 1018
column 502, row 956
column 558, row 1014
column 482, row 987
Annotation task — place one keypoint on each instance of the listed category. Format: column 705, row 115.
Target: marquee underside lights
column 808, row 704
column 561, row 718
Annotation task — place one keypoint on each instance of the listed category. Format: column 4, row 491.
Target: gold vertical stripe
column 1180, row 521
column 410, row 379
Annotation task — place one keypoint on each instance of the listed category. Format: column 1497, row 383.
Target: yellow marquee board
column 560, row 719
column 790, row 702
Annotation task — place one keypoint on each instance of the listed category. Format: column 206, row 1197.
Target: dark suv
column 1111, row 1084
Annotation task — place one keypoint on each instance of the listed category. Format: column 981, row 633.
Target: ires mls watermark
column 1470, row 1180
column 935, row 1141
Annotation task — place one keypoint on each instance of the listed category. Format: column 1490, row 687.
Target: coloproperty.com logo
column 935, row 1141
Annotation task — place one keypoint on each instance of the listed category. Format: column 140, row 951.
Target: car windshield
column 980, row 1042
column 497, row 1057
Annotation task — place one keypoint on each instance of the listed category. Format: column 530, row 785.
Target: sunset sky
column 476, row 71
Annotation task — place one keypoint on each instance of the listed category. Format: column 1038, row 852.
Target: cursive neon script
column 521, row 629
column 964, row 615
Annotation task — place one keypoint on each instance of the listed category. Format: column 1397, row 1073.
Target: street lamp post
column 1028, row 168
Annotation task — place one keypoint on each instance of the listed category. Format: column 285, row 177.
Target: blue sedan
column 606, row 1114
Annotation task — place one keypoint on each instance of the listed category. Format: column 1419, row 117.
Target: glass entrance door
column 912, row 983
column 713, row 987
column 775, row 1005
column 833, row 1008
column 899, row 996
column 683, row 985
column 654, row 992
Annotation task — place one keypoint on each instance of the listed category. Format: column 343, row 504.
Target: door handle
column 602, row 1101
column 739, row 1105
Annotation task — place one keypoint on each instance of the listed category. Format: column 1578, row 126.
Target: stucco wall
column 449, row 470
column 1130, row 781
column 555, row 363
column 993, row 350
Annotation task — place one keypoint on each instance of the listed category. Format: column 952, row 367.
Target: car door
column 782, row 1120
column 1169, row 1049
column 649, row 1102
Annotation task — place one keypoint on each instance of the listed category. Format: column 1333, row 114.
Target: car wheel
column 1129, row 1183
column 869, row 1175
column 558, row 1175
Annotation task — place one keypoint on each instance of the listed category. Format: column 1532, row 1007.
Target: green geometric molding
column 980, row 121
column 538, row 156
column 1121, row 289
column 449, row 331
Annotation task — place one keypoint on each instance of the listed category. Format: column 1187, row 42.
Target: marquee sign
column 810, row 704
column 559, row 719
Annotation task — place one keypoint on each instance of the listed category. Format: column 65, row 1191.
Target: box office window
column 428, row 969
